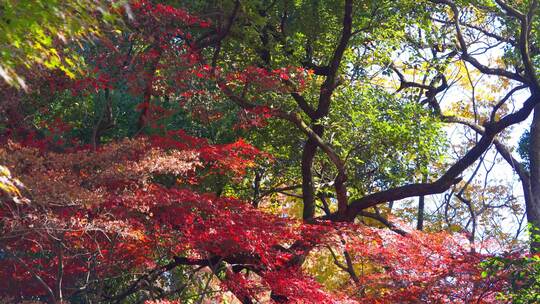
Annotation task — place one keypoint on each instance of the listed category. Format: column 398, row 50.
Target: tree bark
column 533, row 203
column 308, row 190
column 421, row 206
column 420, row 220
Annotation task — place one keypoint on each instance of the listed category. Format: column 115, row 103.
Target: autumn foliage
column 113, row 221
column 84, row 216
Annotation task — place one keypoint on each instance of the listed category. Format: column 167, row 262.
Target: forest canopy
column 250, row 151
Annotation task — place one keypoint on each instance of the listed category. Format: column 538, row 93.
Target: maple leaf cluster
column 430, row 267
column 96, row 214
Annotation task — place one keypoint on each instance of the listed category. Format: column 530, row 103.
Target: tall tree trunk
column 420, row 220
column 308, row 191
column 341, row 192
column 421, row 207
column 533, row 203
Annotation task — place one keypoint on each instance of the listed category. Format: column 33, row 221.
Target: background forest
column 269, row 151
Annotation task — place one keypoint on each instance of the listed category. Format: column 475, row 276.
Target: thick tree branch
column 524, row 48
column 503, row 100
column 452, row 174
column 330, row 82
column 383, row 221
column 317, row 70
column 510, row 10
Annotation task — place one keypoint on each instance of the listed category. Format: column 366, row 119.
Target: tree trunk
column 420, row 220
column 421, row 207
column 533, row 202
column 308, row 191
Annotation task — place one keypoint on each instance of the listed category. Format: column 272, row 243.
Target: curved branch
column 452, row 174
column 330, row 82
column 465, row 55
